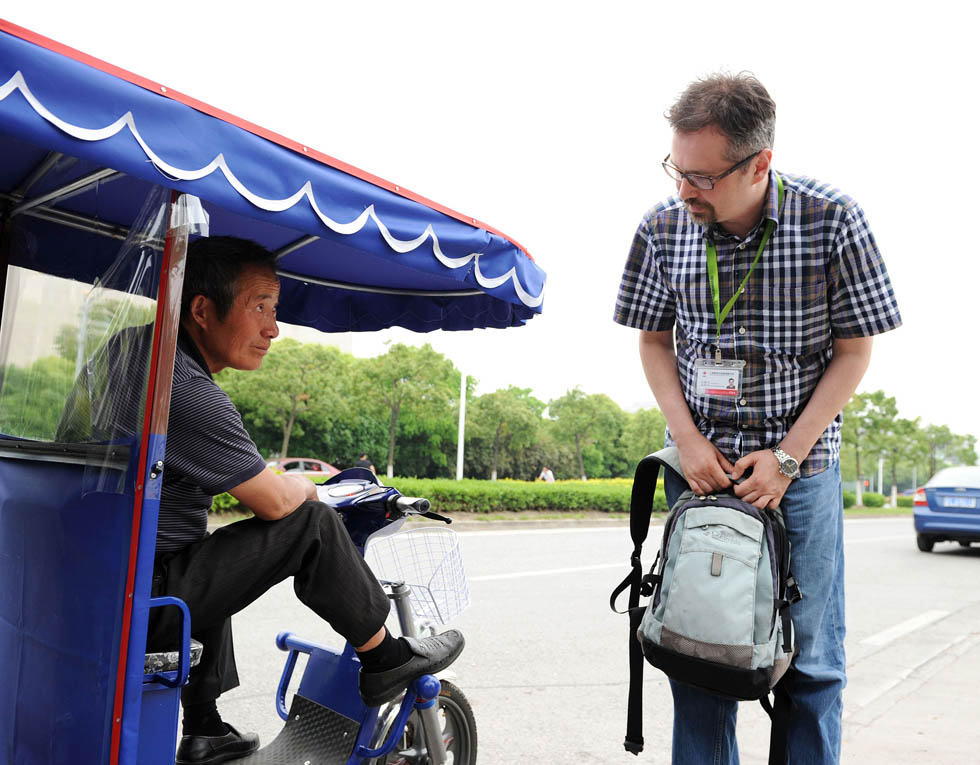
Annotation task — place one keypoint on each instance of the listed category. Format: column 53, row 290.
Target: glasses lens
column 672, row 171
column 702, row 182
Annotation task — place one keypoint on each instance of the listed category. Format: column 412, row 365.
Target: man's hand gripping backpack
column 721, row 588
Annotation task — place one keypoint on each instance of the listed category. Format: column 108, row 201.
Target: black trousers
column 229, row 569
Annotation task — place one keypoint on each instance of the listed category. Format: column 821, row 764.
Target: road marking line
column 623, row 529
column 854, row 705
column 904, row 628
column 883, row 520
column 546, row 572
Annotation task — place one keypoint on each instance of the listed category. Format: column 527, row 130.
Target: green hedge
column 475, row 496
column 873, row 499
column 224, row 503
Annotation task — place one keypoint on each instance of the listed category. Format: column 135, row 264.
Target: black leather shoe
column 210, row 750
column 432, row 654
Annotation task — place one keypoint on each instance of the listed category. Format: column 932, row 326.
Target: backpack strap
column 779, row 714
column 641, row 508
column 644, row 488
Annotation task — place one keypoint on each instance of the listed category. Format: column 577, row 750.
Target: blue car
column 947, row 508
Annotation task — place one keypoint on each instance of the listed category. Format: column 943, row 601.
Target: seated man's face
column 243, row 338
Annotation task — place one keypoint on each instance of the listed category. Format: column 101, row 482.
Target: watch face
column 787, row 465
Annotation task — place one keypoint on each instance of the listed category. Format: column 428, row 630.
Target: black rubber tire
column 459, row 732
column 924, row 542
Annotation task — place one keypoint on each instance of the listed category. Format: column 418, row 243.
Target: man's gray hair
column 737, row 104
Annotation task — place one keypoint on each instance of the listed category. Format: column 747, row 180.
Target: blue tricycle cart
column 104, row 179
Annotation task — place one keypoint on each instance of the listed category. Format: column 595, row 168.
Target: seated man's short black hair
column 213, row 267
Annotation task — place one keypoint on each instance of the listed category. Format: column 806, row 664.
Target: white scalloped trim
column 401, row 246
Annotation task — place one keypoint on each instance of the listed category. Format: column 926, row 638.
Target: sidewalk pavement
column 909, row 704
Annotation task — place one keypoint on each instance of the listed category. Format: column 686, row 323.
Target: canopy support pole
column 67, row 190
column 49, row 161
column 293, row 246
column 71, row 219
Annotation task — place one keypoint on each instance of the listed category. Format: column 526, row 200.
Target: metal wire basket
column 428, row 560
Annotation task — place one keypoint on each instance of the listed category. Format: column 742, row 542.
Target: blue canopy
column 82, row 142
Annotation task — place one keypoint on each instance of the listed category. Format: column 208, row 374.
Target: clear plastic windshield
column 75, row 357
column 60, row 339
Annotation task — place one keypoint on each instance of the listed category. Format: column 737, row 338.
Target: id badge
column 718, row 378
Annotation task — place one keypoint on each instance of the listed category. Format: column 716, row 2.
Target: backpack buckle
column 793, row 590
column 647, row 583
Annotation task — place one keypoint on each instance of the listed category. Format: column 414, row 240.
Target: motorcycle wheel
column 458, row 731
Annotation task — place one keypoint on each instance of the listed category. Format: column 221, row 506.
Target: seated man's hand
column 311, row 489
column 705, row 468
column 766, row 486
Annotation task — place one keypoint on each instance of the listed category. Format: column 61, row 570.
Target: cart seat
column 166, row 661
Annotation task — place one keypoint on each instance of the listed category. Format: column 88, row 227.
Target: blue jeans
column 704, row 725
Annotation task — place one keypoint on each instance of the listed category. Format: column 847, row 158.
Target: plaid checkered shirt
column 820, row 277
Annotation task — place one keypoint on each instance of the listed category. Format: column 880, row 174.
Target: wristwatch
column 788, row 466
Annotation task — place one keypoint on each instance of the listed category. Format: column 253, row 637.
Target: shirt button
column 741, row 330
column 742, row 401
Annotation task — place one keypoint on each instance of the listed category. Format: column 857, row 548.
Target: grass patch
column 526, row 516
column 878, row 512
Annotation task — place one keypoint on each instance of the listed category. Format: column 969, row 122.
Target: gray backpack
column 720, row 588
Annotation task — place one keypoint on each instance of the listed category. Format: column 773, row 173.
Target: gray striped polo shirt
column 208, row 450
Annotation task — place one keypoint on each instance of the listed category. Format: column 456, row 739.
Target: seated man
column 228, row 319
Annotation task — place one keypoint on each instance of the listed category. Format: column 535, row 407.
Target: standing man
column 364, row 462
column 773, row 282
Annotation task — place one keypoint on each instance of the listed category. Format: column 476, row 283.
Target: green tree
column 507, row 419
column 644, row 433
column 584, row 420
column 296, row 384
column 943, row 448
column 867, row 418
column 417, row 389
column 32, row 399
column 99, row 319
column 901, row 444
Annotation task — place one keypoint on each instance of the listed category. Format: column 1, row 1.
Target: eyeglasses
column 703, row 182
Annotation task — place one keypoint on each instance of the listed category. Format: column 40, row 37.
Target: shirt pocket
column 797, row 317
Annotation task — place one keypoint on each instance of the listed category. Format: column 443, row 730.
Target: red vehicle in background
column 304, row 466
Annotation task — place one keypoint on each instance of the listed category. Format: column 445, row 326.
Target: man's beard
column 705, row 213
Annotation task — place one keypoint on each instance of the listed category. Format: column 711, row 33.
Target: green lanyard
column 722, row 313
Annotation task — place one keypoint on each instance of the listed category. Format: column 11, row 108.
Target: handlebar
column 411, row 505
column 415, row 506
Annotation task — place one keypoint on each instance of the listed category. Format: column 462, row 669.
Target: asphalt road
column 545, row 664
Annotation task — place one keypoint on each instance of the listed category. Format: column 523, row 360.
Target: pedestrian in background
column 364, row 462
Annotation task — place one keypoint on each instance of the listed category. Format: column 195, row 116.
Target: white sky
column 546, row 121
